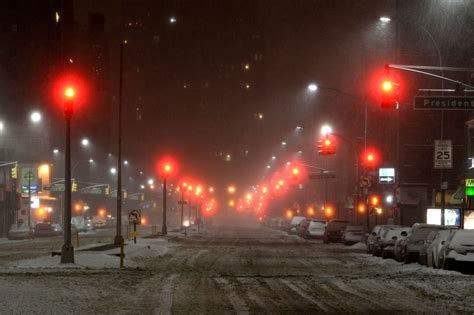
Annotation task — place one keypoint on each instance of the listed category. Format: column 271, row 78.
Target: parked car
column 20, row 231
column 47, row 229
column 389, row 250
column 352, row 234
column 316, row 228
column 387, row 238
column 411, row 245
column 372, row 237
column 302, row 228
column 434, row 249
column 99, row 221
column 458, row 250
column 334, row 230
column 423, row 256
column 293, row 223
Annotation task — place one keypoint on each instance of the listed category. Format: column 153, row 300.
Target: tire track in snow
column 238, row 304
column 166, row 296
column 252, row 289
column 192, row 260
column 304, row 295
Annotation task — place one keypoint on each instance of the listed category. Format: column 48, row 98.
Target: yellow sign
column 469, row 182
column 135, row 234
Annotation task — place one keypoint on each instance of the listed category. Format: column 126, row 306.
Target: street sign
column 135, row 216
column 323, row 175
column 443, row 154
column 469, row 187
column 387, row 175
column 365, row 182
column 444, row 102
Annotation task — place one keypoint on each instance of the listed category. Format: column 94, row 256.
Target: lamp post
column 67, row 251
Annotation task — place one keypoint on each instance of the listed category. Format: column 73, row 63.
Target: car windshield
column 337, row 225
column 317, row 225
column 463, row 238
column 354, row 228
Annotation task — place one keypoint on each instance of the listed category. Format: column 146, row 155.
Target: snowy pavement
column 231, row 270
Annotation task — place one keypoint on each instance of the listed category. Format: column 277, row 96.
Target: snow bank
column 399, row 267
column 358, row 246
column 87, row 259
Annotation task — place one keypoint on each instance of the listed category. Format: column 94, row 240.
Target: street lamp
column 35, row 117
column 85, row 142
column 326, row 130
column 312, row 87
column 113, row 171
column 67, row 251
column 385, row 19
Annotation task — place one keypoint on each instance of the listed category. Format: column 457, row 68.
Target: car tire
column 422, row 260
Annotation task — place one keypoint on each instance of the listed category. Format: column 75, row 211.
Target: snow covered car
column 334, row 230
column 458, row 250
column 434, row 249
column 293, row 223
column 372, row 237
column 47, row 229
column 302, row 228
column 316, row 228
column 99, row 221
column 386, row 243
column 411, row 245
column 352, row 234
column 423, row 256
column 20, row 231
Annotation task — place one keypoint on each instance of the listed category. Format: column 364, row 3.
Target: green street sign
column 29, row 176
column 469, row 187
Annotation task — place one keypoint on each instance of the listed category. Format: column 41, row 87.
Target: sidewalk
column 97, row 256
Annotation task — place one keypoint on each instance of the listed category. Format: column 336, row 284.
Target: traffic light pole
column 118, row 237
column 182, row 208
column 164, row 230
column 67, row 251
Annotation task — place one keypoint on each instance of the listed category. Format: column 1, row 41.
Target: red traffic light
column 374, row 200
column 389, row 97
column 69, row 93
column 370, row 158
column 387, row 86
column 166, row 168
column 295, row 171
column 326, row 146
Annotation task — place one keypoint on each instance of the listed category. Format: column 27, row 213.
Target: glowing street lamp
column 231, row 189
column 326, row 129
column 35, row 117
column 312, row 87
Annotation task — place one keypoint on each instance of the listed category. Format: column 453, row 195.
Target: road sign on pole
column 443, row 154
column 134, row 216
column 387, row 175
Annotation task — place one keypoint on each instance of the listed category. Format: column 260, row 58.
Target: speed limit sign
column 443, row 154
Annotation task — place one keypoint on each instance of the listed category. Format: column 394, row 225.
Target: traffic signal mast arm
column 417, row 69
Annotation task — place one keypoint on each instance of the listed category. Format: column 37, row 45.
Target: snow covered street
column 228, row 270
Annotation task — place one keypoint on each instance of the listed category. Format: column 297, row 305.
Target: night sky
column 204, row 80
